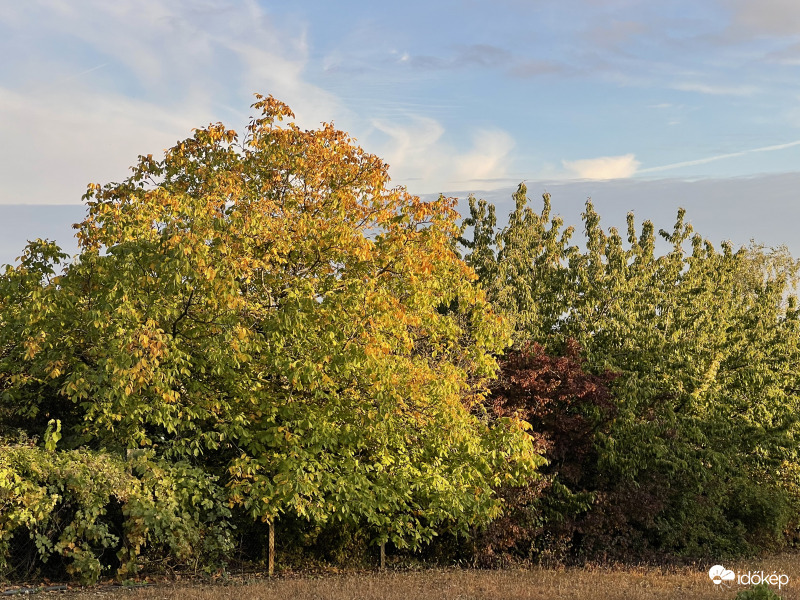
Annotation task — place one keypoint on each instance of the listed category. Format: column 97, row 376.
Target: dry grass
column 589, row 583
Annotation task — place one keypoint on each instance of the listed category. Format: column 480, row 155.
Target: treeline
column 663, row 389
column 259, row 338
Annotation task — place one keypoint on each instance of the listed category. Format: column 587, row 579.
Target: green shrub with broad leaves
column 93, row 513
column 758, row 592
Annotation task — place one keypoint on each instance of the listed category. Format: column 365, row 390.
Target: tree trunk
column 271, row 549
column 383, row 555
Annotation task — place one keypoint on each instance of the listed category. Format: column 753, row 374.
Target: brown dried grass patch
column 596, row 583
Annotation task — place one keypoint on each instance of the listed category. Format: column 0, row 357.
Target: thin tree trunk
column 271, row 558
column 383, row 555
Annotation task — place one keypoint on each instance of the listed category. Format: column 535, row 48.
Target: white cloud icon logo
column 718, row 574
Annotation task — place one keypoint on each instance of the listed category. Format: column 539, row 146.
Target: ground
column 596, row 583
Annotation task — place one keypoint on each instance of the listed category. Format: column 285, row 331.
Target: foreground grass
column 585, row 583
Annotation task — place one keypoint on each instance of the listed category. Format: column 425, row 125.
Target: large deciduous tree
column 271, row 310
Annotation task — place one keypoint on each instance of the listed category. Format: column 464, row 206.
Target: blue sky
column 642, row 105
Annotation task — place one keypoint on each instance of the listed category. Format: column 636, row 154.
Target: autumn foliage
column 270, row 311
column 261, row 332
column 567, row 409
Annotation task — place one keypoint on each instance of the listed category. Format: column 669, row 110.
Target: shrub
column 758, row 592
column 87, row 513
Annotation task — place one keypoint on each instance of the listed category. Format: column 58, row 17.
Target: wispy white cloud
column 410, row 141
column 163, row 70
column 486, row 160
column 716, row 90
column 710, row 159
column 160, row 69
column 603, row 168
column 100, row 82
column 417, row 152
column 89, row 138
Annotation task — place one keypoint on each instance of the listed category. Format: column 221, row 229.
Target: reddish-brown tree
column 567, row 408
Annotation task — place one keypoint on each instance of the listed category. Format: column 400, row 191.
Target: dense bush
column 85, row 513
column 703, row 346
column 567, row 409
column 761, row 591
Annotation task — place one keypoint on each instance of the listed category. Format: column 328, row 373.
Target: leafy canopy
column 704, row 344
column 271, row 310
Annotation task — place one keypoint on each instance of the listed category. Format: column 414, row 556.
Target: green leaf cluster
column 704, row 344
column 761, row 591
column 95, row 513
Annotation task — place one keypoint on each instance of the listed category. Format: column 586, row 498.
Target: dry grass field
column 585, row 583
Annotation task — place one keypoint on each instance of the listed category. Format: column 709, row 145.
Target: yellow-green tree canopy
column 702, row 454
column 273, row 310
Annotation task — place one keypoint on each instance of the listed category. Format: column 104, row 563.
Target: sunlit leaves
column 270, row 307
column 705, row 346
